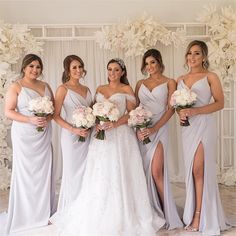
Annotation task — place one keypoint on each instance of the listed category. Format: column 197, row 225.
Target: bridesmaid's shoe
column 190, row 228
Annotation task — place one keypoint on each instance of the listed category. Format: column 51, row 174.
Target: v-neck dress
column 156, row 102
column 202, row 129
column 73, row 152
column 30, row 199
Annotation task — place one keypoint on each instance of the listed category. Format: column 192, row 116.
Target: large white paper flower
column 222, row 45
column 135, row 37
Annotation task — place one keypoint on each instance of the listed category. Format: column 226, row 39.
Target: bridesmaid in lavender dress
column 154, row 94
column 31, row 194
column 203, row 210
column 69, row 96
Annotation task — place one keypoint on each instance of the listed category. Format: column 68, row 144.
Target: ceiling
column 101, row 11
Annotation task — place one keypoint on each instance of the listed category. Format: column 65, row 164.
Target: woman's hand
column 38, row 121
column 106, row 125
column 184, row 114
column 145, row 133
column 80, row 131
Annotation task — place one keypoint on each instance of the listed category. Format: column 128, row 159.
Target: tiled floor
column 228, row 196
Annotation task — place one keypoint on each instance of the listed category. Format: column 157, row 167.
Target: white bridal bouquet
column 181, row 99
column 41, row 106
column 83, row 118
column 105, row 111
column 140, row 118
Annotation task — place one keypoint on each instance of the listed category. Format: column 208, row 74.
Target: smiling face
column 195, row 57
column 76, row 70
column 33, row 70
column 114, row 72
column 151, row 65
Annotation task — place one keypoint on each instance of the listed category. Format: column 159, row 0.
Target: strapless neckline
column 112, row 95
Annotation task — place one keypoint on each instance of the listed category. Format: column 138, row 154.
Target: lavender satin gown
column 203, row 130
column 31, row 195
column 113, row 199
column 156, row 102
column 73, row 152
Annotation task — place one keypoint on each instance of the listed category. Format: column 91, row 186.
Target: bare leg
column 157, row 171
column 198, row 176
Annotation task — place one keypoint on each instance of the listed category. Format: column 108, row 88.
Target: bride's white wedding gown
column 113, row 198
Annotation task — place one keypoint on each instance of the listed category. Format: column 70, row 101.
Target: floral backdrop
column 133, row 37
column 221, row 25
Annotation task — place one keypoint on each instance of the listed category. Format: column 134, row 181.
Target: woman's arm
column 11, row 104
column 50, row 117
column 137, row 87
column 217, row 94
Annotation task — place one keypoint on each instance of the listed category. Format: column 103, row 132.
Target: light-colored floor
column 228, row 196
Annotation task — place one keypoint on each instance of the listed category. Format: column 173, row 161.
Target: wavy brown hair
column 155, row 54
column 123, row 78
column 27, row 60
column 204, row 48
column 66, row 64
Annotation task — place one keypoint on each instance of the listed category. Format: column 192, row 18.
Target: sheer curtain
column 95, row 61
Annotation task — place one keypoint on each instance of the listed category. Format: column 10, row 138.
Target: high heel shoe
column 190, row 228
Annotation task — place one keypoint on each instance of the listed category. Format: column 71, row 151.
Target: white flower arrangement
column 83, row 117
column 181, row 99
column 140, row 118
column 135, row 37
column 15, row 40
column 105, row 111
column 222, row 45
column 42, row 107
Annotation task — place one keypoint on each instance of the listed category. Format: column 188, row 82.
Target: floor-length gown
column 30, row 192
column 113, row 199
column 203, row 130
column 156, row 102
column 73, row 152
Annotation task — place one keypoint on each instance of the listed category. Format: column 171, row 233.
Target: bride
column 113, row 198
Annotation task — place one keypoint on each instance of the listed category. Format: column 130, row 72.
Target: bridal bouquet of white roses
column 83, row 117
column 181, row 99
column 105, row 111
column 140, row 118
column 42, row 107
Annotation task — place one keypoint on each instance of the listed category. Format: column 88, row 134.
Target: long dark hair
column 66, row 64
column 152, row 53
column 27, row 60
column 204, row 48
column 120, row 62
